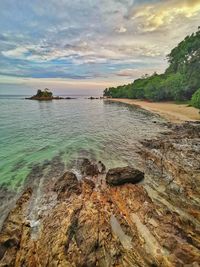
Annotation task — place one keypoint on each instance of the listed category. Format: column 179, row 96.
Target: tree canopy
column 196, row 99
column 44, row 93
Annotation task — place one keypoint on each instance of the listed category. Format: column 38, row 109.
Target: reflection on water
column 32, row 132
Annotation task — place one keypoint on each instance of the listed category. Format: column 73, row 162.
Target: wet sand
column 172, row 112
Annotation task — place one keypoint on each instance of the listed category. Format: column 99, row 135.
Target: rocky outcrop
column 67, row 185
column 44, row 95
column 88, row 168
column 92, row 98
column 45, row 98
column 89, row 223
column 119, row 176
column 13, row 230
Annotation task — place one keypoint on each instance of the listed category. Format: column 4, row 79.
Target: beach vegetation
column 178, row 83
column 195, row 101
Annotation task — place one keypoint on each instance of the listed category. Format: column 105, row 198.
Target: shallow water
column 34, row 132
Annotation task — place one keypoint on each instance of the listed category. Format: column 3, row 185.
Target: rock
column 44, row 95
column 93, row 224
column 91, row 97
column 67, row 185
column 119, row 176
column 12, row 230
column 90, row 183
column 88, row 168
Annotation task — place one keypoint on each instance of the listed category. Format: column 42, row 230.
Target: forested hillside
column 179, row 82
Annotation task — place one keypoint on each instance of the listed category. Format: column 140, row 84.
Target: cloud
column 136, row 73
column 151, row 17
column 88, row 40
column 18, row 52
column 83, row 52
column 56, row 83
column 121, row 29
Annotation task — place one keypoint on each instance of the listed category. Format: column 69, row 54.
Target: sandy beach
column 172, row 112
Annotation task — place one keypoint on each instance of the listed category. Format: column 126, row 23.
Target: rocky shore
column 119, row 217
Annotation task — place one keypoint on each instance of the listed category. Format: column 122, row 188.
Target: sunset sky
column 86, row 45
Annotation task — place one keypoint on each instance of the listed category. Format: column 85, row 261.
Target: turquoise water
column 32, row 132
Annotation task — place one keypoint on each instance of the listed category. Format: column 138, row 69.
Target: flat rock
column 122, row 175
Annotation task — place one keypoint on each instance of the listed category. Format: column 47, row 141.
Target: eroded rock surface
column 91, row 223
column 13, row 229
column 88, row 168
column 66, row 185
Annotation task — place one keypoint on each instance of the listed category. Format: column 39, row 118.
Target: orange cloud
column 153, row 17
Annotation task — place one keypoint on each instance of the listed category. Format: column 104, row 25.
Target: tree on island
column 45, row 93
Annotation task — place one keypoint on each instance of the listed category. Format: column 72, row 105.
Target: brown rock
column 119, row 176
column 12, row 230
column 88, row 168
column 144, row 225
column 67, row 185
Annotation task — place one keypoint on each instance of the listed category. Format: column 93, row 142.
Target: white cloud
column 151, row 17
column 18, row 52
column 121, row 29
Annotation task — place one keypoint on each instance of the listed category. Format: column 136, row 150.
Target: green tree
column 45, row 93
column 39, row 93
column 195, row 101
column 179, row 82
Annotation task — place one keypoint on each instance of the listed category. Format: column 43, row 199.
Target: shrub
column 195, row 101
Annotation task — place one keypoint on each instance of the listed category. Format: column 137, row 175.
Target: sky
column 84, row 46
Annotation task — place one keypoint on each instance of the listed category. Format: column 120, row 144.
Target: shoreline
column 172, row 112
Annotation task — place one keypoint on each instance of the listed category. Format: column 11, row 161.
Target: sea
column 33, row 133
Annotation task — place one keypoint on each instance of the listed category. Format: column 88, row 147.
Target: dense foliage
column 196, row 99
column 179, row 82
column 45, row 93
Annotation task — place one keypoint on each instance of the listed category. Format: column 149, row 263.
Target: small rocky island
column 45, row 94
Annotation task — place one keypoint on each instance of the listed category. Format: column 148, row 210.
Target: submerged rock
column 119, row 176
